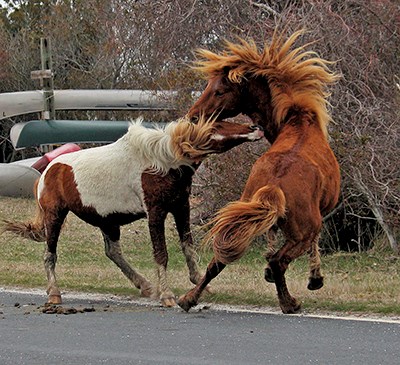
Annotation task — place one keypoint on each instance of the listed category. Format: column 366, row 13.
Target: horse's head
column 221, row 99
column 226, row 97
column 197, row 141
column 265, row 84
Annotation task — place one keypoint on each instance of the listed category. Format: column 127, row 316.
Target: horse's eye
column 219, row 93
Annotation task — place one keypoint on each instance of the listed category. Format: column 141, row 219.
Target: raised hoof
column 185, row 304
column 268, row 275
column 315, row 283
column 54, row 299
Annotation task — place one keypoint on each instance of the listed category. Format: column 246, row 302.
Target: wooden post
column 45, row 75
column 48, row 93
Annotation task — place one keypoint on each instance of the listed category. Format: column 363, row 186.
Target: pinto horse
column 297, row 180
column 147, row 172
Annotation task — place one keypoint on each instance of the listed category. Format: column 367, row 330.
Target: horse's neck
column 257, row 105
column 300, row 130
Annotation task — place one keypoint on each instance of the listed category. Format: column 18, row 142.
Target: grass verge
column 354, row 283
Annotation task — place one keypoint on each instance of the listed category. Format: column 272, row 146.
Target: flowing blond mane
column 178, row 143
column 295, row 77
column 193, row 140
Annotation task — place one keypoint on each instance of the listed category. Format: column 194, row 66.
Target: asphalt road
column 107, row 331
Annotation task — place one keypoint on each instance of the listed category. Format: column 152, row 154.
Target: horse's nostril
column 256, row 126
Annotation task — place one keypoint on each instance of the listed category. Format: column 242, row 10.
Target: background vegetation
column 149, row 45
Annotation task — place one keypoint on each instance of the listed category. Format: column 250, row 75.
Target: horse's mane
column 178, row 143
column 193, row 140
column 295, row 77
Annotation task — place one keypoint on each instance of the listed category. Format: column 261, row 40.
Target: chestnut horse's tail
column 239, row 222
column 34, row 230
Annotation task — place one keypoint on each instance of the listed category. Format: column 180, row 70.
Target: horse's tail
column 239, row 222
column 34, row 230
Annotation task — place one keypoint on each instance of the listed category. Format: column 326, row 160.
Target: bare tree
column 149, row 44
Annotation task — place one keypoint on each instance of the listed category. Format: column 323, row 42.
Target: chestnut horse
column 297, row 181
column 147, row 172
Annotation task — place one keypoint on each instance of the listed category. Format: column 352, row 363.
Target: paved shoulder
column 103, row 330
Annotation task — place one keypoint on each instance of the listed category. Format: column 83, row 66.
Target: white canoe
column 25, row 102
column 17, row 179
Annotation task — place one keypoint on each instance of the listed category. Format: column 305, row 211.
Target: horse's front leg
column 156, row 218
column 182, row 220
column 191, row 298
column 53, row 224
column 113, row 251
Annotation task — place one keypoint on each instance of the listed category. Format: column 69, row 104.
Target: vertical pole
column 47, row 86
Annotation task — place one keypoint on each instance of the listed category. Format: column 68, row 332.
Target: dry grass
column 368, row 282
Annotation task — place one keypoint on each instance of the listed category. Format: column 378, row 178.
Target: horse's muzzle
column 255, row 127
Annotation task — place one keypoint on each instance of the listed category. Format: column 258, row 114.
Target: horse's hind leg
column 156, row 221
column 114, row 253
column 316, row 280
column 53, row 224
column 271, row 250
column 191, row 298
column 279, row 263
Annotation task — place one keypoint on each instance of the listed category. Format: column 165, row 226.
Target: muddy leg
column 156, row 219
column 316, row 280
column 53, row 292
column 191, row 298
column 167, row 297
column 114, row 253
column 53, row 224
column 182, row 220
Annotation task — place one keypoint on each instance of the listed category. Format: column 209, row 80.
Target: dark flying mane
column 295, row 77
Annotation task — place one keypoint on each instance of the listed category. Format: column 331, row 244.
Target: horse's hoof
column 185, row 304
column 268, row 275
column 291, row 308
column 168, row 302
column 315, row 283
column 146, row 291
column 54, row 299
